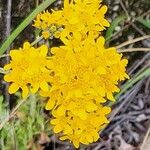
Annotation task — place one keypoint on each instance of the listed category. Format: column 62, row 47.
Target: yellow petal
column 103, row 9
column 110, row 96
column 73, row 20
column 14, row 53
column 68, row 130
column 7, row 67
column 101, row 91
column 58, row 128
column 44, row 86
column 78, row 93
column 105, row 23
column 83, row 140
column 61, row 110
column 25, row 92
column 7, row 78
column 95, row 136
column 26, row 45
column 101, row 70
column 13, row 88
column 46, row 34
column 101, row 100
column 89, row 138
column 71, row 106
column 101, row 41
column 91, row 107
column 82, row 114
column 106, row 110
column 54, row 121
column 63, row 138
column 126, row 76
column 43, row 50
column 76, row 143
column 34, row 88
column 50, row 104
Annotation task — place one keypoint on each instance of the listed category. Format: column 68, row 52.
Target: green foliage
column 27, row 125
column 145, row 22
column 114, row 24
column 24, row 24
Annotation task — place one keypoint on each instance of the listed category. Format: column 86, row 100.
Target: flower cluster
column 82, row 16
column 84, row 77
column 28, row 69
column 78, row 77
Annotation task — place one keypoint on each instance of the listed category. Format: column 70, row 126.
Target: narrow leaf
column 24, row 24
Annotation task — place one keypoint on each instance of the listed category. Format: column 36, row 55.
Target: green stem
column 24, row 24
column 5, row 55
column 37, row 40
column 2, row 71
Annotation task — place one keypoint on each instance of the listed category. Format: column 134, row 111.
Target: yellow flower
column 78, row 130
column 85, row 75
column 82, row 73
column 79, row 19
column 46, row 34
column 28, row 69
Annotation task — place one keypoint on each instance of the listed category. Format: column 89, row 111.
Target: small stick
column 115, row 35
column 12, row 114
column 124, row 8
column 133, row 50
column 133, row 41
column 145, row 139
column 5, row 55
column 8, row 30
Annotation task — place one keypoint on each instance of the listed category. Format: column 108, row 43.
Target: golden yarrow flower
column 79, row 18
column 84, row 77
column 28, row 69
column 83, row 74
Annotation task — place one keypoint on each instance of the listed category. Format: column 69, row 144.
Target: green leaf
column 24, row 24
column 1, row 105
column 145, row 22
column 113, row 25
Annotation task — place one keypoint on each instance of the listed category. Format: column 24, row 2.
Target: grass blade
column 24, row 24
column 113, row 25
column 145, row 22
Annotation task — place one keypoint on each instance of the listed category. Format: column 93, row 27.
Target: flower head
column 84, row 77
column 83, row 74
column 27, row 69
column 79, row 19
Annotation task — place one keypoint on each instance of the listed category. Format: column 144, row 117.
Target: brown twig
column 145, row 139
column 133, row 41
column 12, row 114
column 138, row 63
column 115, row 35
column 138, row 29
column 8, row 30
column 133, row 50
column 5, row 55
column 125, row 10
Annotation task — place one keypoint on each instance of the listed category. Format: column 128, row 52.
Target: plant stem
column 11, row 114
column 37, row 40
